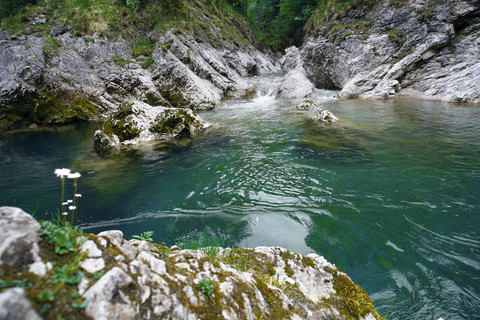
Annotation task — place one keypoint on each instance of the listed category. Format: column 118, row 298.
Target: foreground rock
column 139, row 122
column 110, row 277
column 378, row 49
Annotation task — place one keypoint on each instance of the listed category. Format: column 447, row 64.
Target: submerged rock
column 149, row 281
column 139, row 122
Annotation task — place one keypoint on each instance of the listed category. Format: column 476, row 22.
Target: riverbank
column 47, row 274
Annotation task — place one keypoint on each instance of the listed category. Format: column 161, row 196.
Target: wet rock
column 324, row 116
column 14, row 305
column 139, row 122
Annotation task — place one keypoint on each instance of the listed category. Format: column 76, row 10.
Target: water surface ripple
column 390, row 194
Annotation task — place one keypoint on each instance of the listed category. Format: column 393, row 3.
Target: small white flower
column 69, row 201
column 65, row 203
column 72, row 208
column 74, row 175
column 78, row 195
column 62, row 173
column 64, row 213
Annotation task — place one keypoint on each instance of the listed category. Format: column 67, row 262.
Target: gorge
column 388, row 193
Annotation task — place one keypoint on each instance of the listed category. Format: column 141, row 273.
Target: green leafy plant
column 206, row 287
column 24, row 283
column 67, row 274
column 145, row 236
column 65, row 238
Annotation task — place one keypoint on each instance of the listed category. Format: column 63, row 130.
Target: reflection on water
column 391, row 193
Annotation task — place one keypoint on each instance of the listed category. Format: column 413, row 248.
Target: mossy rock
column 121, row 125
column 178, row 122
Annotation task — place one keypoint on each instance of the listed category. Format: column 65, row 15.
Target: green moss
column 355, row 27
column 143, row 48
column 120, row 61
column 51, row 48
column 147, row 62
column 352, row 302
column 62, row 109
column 398, row 3
column 397, row 36
column 172, row 120
column 121, row 125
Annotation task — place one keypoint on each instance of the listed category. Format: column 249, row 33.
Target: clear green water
column 390, row 194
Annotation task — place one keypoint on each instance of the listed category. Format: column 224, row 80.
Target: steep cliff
column 380, row 49
column 49, row 271
column 82, row 65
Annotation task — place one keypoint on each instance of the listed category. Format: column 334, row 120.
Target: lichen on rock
column 139, row 122
column 144, row 280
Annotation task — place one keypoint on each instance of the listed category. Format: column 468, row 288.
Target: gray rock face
column 430, row 48
column 188, row 74
column 14, row 305
column 18, row 238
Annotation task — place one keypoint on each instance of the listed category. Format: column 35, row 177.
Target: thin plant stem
column 64, row 218
column 73, row 218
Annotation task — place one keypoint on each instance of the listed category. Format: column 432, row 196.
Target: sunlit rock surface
column 150, row 281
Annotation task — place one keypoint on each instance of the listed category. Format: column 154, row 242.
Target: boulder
column 14, row 305
column 182, row 87
column 18, row 238
column 295, row 85
column 139, row 122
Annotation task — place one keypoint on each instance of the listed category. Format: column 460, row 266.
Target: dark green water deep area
column 390, row 193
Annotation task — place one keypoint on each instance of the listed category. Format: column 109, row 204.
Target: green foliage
column 143, row 48
column 67, row 274
column 65, row 238
column 23, row 283
column 355, row 27
column 10, row 7
column 147, row 62
column 281, row 22
column 206, row 287
column 120, row 61
column 145, row 236
column 51, row 48
column 396, row 36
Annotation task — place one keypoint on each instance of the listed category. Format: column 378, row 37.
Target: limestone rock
column 295, row 85
column 374, row 52
column 139, row 123
column 106, row 297
column 18, row 238
column 324, row 116
column 14, row 305
column 188, row 284
column 182, row 87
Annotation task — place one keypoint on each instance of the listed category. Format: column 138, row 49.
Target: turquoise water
column 390, row 194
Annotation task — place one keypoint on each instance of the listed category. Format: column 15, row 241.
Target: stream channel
column 390, row 193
